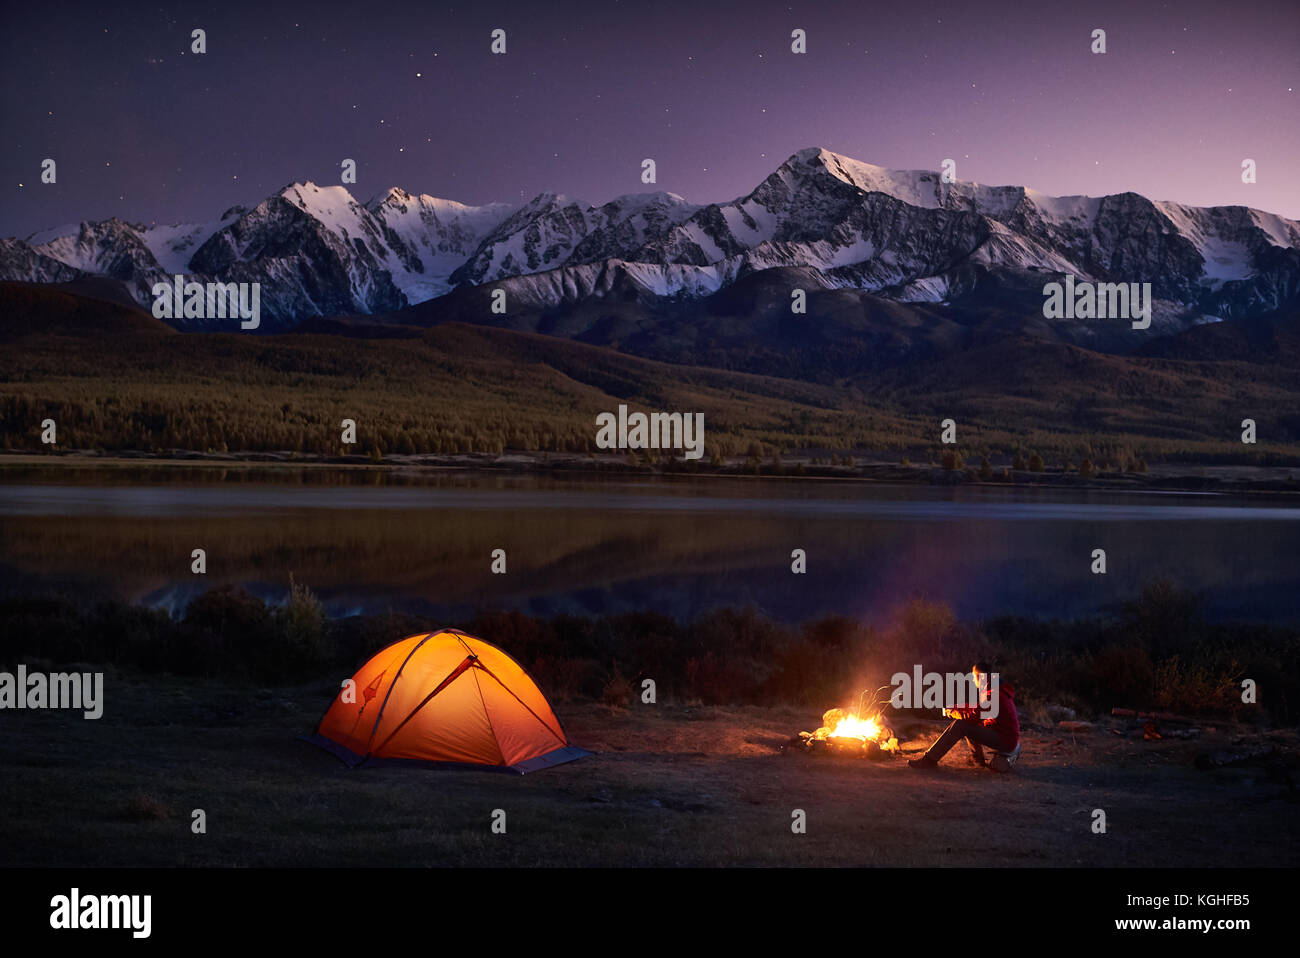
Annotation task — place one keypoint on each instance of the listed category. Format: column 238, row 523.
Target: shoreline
column 1173, row 478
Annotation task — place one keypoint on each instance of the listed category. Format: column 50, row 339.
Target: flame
column 838, row 724
column 853, row 727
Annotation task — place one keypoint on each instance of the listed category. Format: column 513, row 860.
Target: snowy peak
column 833, row 221
column 553, row 230
column 921, row 188
column 333, row 206
column 397, row 203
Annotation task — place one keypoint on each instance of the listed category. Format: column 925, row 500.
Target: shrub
column 618, row 691
column 1164, row 618
column 561, row 679
column 301, row 629
column 1124, row 674
column 1181, row 687
column 234, row 625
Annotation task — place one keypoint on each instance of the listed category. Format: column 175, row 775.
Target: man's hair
column 983, row 666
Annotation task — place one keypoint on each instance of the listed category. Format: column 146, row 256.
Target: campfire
column 852, row 733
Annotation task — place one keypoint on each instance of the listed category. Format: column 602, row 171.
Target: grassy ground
column 670, row 786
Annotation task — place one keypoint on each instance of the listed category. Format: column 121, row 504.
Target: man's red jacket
column 1007, row 722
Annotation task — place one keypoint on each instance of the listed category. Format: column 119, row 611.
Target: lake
column 368, row 542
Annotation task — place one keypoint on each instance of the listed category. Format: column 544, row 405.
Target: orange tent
column 444, row 698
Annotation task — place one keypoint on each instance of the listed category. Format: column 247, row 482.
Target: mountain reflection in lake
column 677, row 546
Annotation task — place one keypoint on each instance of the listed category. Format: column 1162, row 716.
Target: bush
column 561, row 679
column 1164, row 618
column 1124, row 674
column 301, row 631
column 228, row 609
column 618, row 691
column 1035, row 463
column 1158, row 652
column 1180, row 687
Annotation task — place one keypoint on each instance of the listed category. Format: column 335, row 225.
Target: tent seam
column 541, row 721
column 486, row 714
column 389, row 694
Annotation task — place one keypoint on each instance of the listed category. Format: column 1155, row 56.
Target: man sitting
column 1000, row 733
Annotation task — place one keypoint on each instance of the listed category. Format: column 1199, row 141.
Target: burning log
column 842, row 733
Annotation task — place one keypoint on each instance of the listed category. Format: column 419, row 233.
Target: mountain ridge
column 902, row 235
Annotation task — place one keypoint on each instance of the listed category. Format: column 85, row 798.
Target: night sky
column 143, row 129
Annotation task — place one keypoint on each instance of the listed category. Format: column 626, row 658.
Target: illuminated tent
column 444, row 698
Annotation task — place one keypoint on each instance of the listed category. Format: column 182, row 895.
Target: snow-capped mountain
column 907, row 236
column 315, row 251
column 834, row 222
column 554, row 230
column 432, row 238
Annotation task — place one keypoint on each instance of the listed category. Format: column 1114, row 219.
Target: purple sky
column 143, row 129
